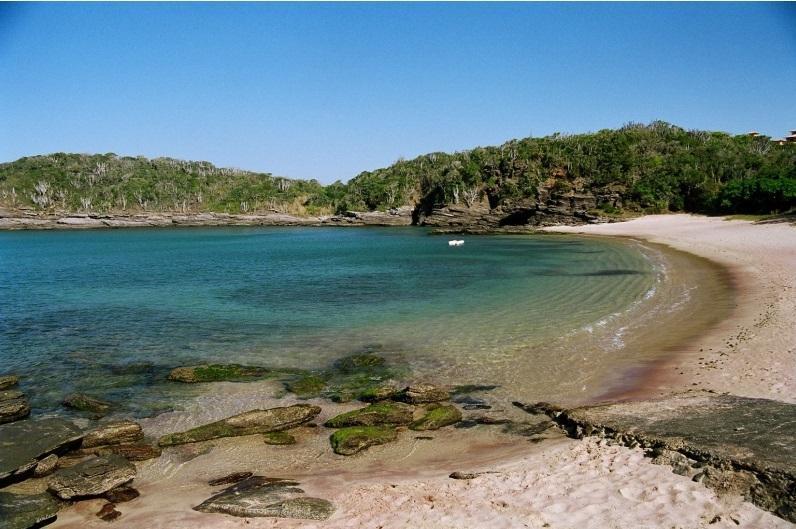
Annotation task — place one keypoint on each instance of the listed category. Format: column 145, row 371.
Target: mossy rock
column 436, row 417
column 379, row 413
column 379, row 392
column 307, row 386
column 82, row 402
column 359, row 362
column 279, row 438
column 221, row 372
column 349, row 441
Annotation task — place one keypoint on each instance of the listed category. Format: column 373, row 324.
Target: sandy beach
column 557, row 483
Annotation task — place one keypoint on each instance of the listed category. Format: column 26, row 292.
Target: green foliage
column 654, row 167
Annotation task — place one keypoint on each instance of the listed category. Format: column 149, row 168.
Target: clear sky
column 328, row 90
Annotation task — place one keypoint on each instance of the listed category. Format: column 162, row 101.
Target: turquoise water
column 109, row 312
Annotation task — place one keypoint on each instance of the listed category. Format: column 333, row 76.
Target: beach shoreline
column 557, row 483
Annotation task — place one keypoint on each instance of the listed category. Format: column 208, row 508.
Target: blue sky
column 328, row 90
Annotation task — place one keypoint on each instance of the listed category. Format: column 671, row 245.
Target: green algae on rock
column 378, row 413
column 222, row 372
column 86, row 403
column 423, row 393
column 279, row 438
column 353, row 439
column 436, row 417
column 8, row 381
column 306, row 386
column 247, row 423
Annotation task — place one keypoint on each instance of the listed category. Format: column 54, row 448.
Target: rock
column 26, row 511
column 353, row 439
column 8, row 381
column 436, row 417
column 486, row 419
column 471, row 407
column 748, row 445
column 248, row 423
column 121, row 494
column 92, row 477
column 467, row 475
column 680, row 464
column 108, row 512
column 379, row 413
column 13, row 406
column 540, row 408
column 82, row 402
column 220, row 372
column 113, row 433
column 279, row 438
column 129, row 451
column 267, row 497
column 385, row 391
column 45, row 466
column 229, row 479
column 307, row 386
column 424, row 393
column 23, row 444
column 359, row 362
column 530, row 429
column 471, row 388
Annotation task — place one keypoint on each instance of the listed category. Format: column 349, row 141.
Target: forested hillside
column 651, row 168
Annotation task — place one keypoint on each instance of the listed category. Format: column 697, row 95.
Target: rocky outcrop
column 379, row 413
column 258, row 496
column 353, row 439
column 221, row 372
column 13, row 406
column 26, row 511
column 8, row 381
column 732, row 444
column 424, row 393
column 92, row 477
column 248, row 423
column 437, row 416
column 113, row 434
column 23, row 444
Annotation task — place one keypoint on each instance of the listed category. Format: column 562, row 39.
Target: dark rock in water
column 471, row 388
column 353, row 439
column 530, row 429
column 378, row 413
column 436, row 417
column 279, row 438
column 8, row 381
column 92, row 477
column 26, row 511
column 113, row 433
column 540, row 408
column 467, row 475
column 223, row 372
column 471, row 407
column 267, row 497
column 108, row 512
column 24, row 443
column 486, row 419
column 82, row 402
column 359, row 362
column 121, row 494
column 136, row 368
column 229, row 479
column 248, row 423
column 424, row 393
column 379, row 392
column 45, row 466
column 467, row 399
column 741, row 445
column 13, row 406
column 306, row 386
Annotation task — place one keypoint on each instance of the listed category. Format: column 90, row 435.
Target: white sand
column 559, row 483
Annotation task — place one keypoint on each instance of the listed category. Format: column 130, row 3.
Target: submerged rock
column 13, row 406
column 221, row 372
column 359, row 363
column 129, row 451
column 279, row 438
column 24, row 443
column 436, row 417
column 307, row 386
column 229, row 479
column 112, row 434
column 108, row 512
column 385, row 391
column 8, row 381
column 82, row 402
column 121, row 494
column 424, row 393
column 92, row 477
column 353, row 439
column 25, row 511
column 379, row 413
column 267, row 497
column 248, row 423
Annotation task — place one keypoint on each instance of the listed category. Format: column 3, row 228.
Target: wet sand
column 557, row 483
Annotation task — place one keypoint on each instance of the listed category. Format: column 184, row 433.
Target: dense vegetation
column 111, row 183
column 655, row 167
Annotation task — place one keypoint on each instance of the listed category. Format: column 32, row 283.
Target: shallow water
column 109, row 312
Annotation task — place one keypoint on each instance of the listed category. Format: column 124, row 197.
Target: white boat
column 455, row 243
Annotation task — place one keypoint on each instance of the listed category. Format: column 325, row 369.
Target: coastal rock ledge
column 731, row 444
